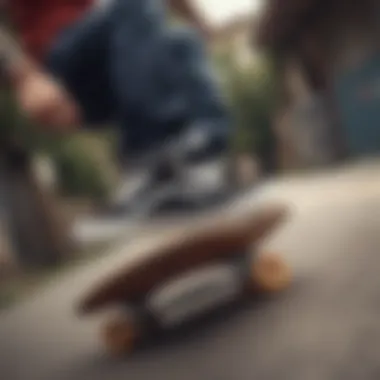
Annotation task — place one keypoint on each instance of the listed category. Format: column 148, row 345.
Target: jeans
column 124, row 65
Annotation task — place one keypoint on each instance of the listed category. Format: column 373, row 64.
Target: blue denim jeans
column 124, row 65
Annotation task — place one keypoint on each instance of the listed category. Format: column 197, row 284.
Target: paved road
column 326, row 327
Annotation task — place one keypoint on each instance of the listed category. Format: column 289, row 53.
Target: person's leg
column 78, row 58
column 162, row 86
column 171, row 88
column 187, row 56
column 187, row 63
column 132, row 67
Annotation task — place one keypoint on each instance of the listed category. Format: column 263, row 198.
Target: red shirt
column 39, row 21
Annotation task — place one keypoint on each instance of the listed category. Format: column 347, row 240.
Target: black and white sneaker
column 174, row 178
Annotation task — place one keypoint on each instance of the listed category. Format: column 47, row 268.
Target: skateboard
column 196, row 269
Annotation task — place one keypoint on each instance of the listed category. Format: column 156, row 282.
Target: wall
column 355, row 73
column 339, row 52
column 302, row 123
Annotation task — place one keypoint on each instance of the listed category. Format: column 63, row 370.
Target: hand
column 46, row 102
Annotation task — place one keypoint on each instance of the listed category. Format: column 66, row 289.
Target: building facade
column 329, row 62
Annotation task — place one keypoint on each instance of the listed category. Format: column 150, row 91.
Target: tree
column 252, row 94
column 38, row 232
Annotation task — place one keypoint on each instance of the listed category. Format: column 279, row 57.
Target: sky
column 220, row 11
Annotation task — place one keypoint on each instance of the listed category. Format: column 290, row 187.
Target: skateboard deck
column 221, row 237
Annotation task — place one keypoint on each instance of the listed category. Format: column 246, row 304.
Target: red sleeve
column 21, row 12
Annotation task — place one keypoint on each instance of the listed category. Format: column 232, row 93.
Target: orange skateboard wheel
column 269, row 274
column 120, row 335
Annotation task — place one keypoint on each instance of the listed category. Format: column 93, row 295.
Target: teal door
column 358, row 96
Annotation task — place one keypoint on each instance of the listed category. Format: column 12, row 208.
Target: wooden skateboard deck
column 204, row 243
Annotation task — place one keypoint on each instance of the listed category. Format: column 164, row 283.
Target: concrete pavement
column 326, row 327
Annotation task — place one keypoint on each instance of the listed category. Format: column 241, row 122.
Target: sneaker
column 199, row 144
column 143, row 181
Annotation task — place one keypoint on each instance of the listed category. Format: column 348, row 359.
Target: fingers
column 60, row 117
column 48, row 105
column 52, row 115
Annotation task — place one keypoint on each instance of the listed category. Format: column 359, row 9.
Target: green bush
column 78, row 173
column 251, row 93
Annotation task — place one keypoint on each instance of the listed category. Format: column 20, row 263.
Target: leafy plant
column 78, row 171
column 251, row 92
